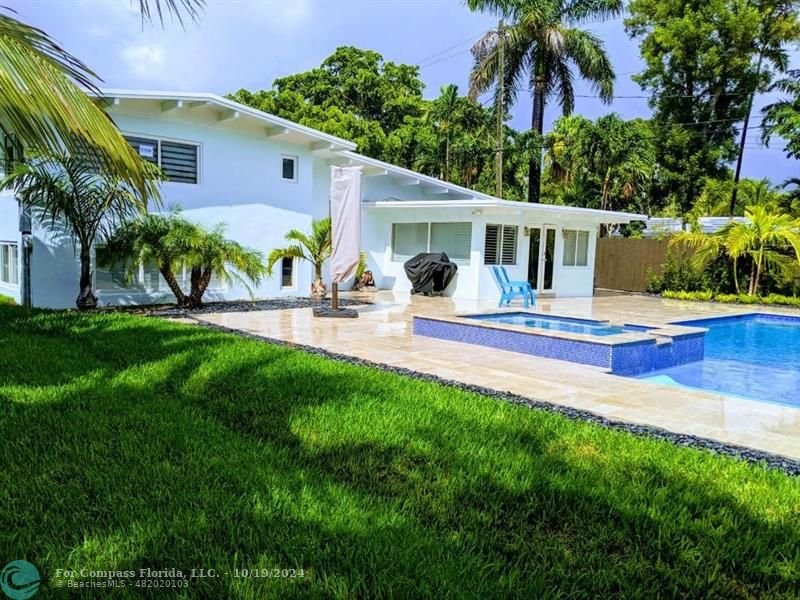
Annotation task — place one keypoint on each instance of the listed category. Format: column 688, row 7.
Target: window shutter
column 454, row 239
column 569, row 247
column 509, row 245
column 491, row 251
column 582, row 259
column 409, row 239
column 179, row 162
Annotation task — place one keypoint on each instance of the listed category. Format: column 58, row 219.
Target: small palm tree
column 208, row 253
column 146, row 241
column 315, row 248
column 540, row 46
column 170, row 242
column 768, row 239
column 68, row 194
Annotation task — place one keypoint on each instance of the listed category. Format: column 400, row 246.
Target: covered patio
column 383, row 334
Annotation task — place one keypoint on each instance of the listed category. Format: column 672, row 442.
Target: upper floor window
column 9, row 263
column 500, row 245
column 289, row 168
column 179, row 161
column 576, row 248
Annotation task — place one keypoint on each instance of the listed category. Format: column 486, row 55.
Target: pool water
column 756, row 356
column 563, row 324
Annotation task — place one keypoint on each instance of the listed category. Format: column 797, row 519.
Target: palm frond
column 42, row 101
column 588, row 52
column 174, row 8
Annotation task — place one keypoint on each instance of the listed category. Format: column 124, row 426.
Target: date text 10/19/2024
column 164, row 577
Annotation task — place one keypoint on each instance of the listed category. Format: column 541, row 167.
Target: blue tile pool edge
column 627, row 358
column 698, row 322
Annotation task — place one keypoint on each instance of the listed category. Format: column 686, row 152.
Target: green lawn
column 128, row 442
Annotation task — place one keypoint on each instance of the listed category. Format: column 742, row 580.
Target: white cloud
column 144, row 60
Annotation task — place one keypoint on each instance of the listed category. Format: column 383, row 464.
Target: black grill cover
column 430, row 274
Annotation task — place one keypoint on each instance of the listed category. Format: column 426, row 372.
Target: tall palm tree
column 443, row 113
column 315, row 248
column 43, row 99
column 767, row 238
column 541, row 44
column 68, row 194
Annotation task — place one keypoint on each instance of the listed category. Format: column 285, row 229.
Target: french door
column 541, row 258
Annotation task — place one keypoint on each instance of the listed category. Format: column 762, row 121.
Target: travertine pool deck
column 383, row 334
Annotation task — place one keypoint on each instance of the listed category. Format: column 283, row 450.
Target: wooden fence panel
column 624, row 263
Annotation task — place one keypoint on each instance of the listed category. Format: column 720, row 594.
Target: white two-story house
column 261, row 175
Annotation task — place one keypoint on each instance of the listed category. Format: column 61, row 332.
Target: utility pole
column 743, row 139
column 500, row 108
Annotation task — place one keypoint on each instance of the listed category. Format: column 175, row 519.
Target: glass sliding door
column 533, row 258
column 541, row 258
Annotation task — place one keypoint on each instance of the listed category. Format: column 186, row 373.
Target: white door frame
column 542, row 257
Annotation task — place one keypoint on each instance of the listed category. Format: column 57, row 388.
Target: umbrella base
column 341, row 313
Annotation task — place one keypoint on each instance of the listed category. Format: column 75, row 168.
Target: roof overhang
column 226, row 113
column 550, row 212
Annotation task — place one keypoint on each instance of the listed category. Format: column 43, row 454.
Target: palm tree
column 146, row 241
column 43, row 99
column 443, row 113
column 208, row 253
column 67, row 193
column 540, row 46
column 171, row 242
column 768, row 239
column 315, row 248
column 782, row 118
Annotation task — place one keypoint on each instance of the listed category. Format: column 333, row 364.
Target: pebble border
column 226, row 306
column 751, row 455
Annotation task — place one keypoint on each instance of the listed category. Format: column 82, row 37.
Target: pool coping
column 659, row 331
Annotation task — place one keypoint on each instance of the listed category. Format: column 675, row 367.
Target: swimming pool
column 756, row 356
column 554, row 323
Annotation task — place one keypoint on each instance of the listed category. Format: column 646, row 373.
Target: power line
column 461, row 43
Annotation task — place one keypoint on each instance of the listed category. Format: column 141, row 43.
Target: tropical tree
column 68, row 194
column 767, row 239
column 443, row 113
column 315, row 248
column 43, row 99
column 147, row 241
column 608, row 163
column 782, row 118
column 703, row 63
column 714, row 200
column 540, row 45
column 171, row 242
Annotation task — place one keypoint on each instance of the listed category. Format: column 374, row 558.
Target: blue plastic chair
column 512, row 289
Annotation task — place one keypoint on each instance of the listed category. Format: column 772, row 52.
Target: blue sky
column 248, row 43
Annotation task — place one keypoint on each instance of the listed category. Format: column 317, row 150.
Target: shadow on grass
column 159, row 445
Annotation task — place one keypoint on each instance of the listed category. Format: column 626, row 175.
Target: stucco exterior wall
column 240, row 185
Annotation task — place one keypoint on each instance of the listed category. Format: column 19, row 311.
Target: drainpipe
column 27, row 249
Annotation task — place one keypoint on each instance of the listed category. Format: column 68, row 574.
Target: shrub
column 682, row 295
column 7, row 301
column 772, row 299
column 678, row 273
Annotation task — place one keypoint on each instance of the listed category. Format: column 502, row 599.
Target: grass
column 129, row 442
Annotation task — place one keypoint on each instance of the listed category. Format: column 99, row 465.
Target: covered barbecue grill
column 430, row 273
